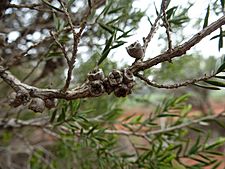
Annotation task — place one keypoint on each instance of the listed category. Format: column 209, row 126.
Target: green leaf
column 181, row 99
column 167, row 115
column 216, row 165
column 118, row 44
column 92, row 129
column 62, row 117
column 220, row 77
column 149, row 20
column 216, row 144
column 104, row 56
column 220, row 39
column 51, row 6
column 221, row 68
column 222, row 4
column 215, row 83
column 156, row 10
column 136, row 120
column 106, row 50
column 53, row 116
column 217, row 36
column 114, row 21
column 115, row 10
column 194, row 149
column 58, row 23
column 125, row 34
column 170, row 12
column 177, row 165
column 206, row 17
column 207, row 87
column 107, row 28
column 70, row 2
column 106, row 9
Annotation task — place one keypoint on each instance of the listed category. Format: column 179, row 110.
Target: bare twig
column 166, row 24
column 173, row 86
column 153, row 29
column 76, row 40
column 61, row 47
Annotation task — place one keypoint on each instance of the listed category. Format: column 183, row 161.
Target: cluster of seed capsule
column 120, row 82
column 36, row 104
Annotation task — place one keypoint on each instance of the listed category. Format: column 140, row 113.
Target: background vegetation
column 54, row 116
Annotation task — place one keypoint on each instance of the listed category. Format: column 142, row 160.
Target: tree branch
column 173, row 86
column 179, row 50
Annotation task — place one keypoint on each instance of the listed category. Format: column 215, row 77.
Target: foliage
column 55, row 50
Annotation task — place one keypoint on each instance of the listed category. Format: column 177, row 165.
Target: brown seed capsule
column 50, row 103
column 122, row 91
column 115, row 77
column 96, row 74
column 135, row 50
column 108, row 88
column 128, row 76
column 37, row 105
column 22, row 97
column 96, row 88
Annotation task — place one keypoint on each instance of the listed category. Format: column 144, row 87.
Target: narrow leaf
column 220, row 77
column 115, row 10
column 221, row 39
column 53, row 115
column 105, row 11
column 61, row 117
column 170, row 12
column 221, row 68
column 51, row 6
column 118, row 45
column 92, row 129
column 70, row 2
column 206, row 17
column 156, row 10
column 107, row 28
column 215, row 83
column 104, row 56
column 207, row 87
column 125, row 34
column 222, row 4
column 177, row 165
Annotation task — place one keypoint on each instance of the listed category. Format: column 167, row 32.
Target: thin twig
column 173, row 86
column 61, row 47
column 76, row 40
column 166, row 25
column 34, row 68
column 153, row 29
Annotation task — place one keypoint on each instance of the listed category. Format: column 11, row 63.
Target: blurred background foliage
column 79, row 133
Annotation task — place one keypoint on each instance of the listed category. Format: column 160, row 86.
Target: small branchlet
column 37, row 105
